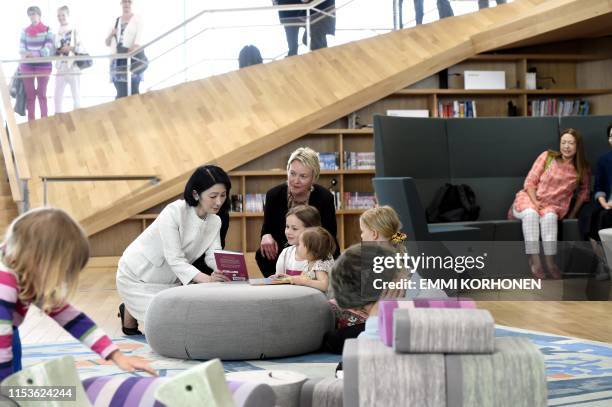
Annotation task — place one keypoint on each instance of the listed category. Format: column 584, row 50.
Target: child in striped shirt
column 40, row 259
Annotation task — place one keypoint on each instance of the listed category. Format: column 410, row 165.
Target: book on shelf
column 337, row 200
column 457, row 108
column 359, row 160
column 359, row 200
column 231, row 264
column 329, row 161
column 236, row 203
column 408, row 112
column 254, row 202
column 558, row 107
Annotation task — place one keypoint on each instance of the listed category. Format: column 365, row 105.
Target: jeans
column 32, row 92
column 291, row 32
column 485, row 3
column 444, row 10
column 122, row 89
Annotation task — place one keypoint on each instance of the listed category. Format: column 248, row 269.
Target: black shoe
column 127, row 331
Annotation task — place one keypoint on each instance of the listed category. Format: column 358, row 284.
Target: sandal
column 127, row 331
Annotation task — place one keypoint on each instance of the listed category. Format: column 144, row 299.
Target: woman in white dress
column 162, row 256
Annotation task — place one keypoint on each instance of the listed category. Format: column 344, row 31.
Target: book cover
column 268, row 281
column 232, row 264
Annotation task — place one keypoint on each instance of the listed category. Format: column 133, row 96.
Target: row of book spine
column 352, row 200
column 353, row 160
column 558, row 107
column 457, row 108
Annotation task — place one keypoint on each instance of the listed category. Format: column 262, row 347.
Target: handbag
column 20, row 96
column 85, row 63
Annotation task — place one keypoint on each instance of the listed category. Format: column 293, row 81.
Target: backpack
column 249, row 55
column 453, row 203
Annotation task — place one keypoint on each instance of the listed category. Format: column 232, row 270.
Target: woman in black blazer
column 303, row 170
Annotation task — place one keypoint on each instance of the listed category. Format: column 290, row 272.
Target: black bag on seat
column 453, row 203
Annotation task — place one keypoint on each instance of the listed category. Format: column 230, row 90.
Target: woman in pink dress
column 545, row 198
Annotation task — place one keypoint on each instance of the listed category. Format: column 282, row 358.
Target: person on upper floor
column 124, row 36
column 67, row 43
column 36, row 41
column 303, row 169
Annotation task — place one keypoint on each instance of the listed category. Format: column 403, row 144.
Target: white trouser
column 72, row 78
column 533, row 225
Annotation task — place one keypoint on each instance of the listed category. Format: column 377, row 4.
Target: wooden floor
column 98, row 297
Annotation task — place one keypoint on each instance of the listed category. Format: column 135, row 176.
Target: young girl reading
column 316, row 246
column 40, row 259
column 297, row 220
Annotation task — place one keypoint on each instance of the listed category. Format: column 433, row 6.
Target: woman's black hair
column 203, row 178
column 608, row 132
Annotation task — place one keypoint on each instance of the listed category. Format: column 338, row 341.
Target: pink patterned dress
column 554, row 187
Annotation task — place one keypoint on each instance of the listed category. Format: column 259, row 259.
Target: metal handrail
column 297, row 7
column 46, row 179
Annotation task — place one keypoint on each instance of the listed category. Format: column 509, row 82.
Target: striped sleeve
column 22, row 42
column 48, row 48
column 8, row 300
column 84, row 329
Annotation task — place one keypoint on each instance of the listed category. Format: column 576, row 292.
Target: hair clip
column 398, row 237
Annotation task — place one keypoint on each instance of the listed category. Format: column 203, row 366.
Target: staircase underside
column 236, row 117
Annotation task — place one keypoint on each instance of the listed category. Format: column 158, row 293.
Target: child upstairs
column 41, row 257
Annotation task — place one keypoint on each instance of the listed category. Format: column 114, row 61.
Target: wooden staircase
column 8, row 208
column 233, row 118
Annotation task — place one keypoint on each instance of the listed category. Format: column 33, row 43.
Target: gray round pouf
column 237, row 321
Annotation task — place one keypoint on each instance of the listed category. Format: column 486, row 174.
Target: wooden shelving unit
column 571, row 74
column 258, row 176
column 577, row 75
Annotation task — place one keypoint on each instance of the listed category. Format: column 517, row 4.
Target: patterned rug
column 579, row 372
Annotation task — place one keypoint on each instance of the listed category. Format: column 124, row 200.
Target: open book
column 232, row 264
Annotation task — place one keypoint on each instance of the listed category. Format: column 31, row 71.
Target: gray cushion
column 498, row 147
column 322, row 392
column 512, row 376
column 410, row 147
column 374, row 375
column 443, row 330
column 237, row 321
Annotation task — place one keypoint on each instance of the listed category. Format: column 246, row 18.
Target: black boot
column 127, row 331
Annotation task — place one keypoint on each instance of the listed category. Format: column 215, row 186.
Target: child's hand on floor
column 130, row 363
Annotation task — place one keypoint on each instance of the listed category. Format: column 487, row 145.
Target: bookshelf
column 263, row 173
column 581, row 69
column 577, row 77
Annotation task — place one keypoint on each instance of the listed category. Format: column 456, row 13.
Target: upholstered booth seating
column 237, row 321
column 491, row 155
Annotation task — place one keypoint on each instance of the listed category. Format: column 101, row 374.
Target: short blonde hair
column 309, row 158
column 382, row 219
column 46, row 249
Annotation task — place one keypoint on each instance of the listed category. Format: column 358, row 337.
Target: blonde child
column 381, row 224
column 42, row 254
column 317, row 246
column 297, row 220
